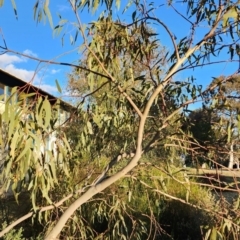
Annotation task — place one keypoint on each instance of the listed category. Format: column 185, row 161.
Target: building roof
column 13, row 81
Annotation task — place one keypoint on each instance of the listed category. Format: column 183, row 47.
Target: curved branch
column 211, row 33
column 93, row 190
column 130, row 101
column 181, row 15
column 133, row 163
column 169, row 33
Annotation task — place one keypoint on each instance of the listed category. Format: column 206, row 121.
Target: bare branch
column 181, row 15
column 58, row 63
column 4, row 41
column 169, row 33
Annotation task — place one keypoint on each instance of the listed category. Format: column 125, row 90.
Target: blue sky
column 26, row 36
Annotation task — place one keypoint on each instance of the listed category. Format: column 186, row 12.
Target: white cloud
column 39, row 82
column 6, row 59
column 54, row 71
column 23, row 74
column 48, row 88
column 29, row 53
column 8, row 63
column 63, row 8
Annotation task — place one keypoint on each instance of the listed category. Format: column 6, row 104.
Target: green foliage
column 182, row 221
column 226, row 228
column 130, row 210
column 28, row 127
column 41, row 11
column 13, row 234
column 200, row 125
column 223, row 100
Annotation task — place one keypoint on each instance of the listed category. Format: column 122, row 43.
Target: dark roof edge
column 13, row 81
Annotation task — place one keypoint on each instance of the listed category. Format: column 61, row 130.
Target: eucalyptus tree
column 131, row 85
column 200, row 125
column 225, row 104
column 108, row 107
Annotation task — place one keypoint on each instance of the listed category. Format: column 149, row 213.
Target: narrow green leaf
column 7, row 170
column 71, row 40
column 35, row 10
column 83, row 140
column 128, row 6
column 47, row 12
column 213, row 235
column 89, row 125
column 76, row 36
column 38, row 113
column 67, row 146
column 62, row 21
column 118, row 3
column 134, row 16
column 30, row 185
column 53, row 170
column 58, row 86
column 1, row 3
column 47, row 114
column 13, row 144
column 231, row 50
column 231, row 13
column 14, row 8
column 27, row 147
column 95, row 5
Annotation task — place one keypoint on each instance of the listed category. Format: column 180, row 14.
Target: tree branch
column 56, row 63
column 169, row 33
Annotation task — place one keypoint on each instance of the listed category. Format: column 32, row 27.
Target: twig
column 169, row 33
column 5, row 44
column 181, row 15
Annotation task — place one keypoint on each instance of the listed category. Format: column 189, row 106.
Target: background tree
column 225, row 104
column 199, row 126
